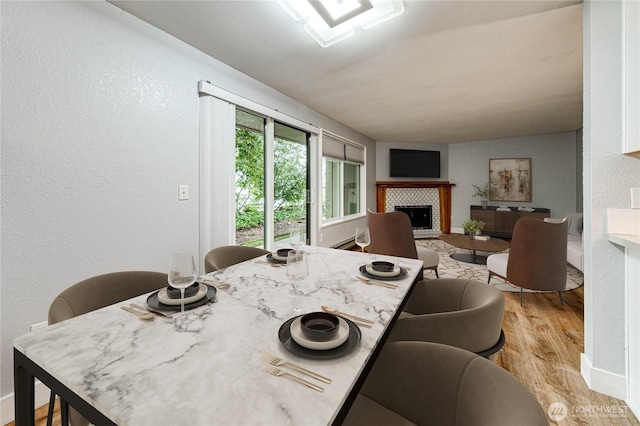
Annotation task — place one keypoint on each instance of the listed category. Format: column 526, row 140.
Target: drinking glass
column 297, row 238
column 297, row 266
column 182, row 273
column 362, row 237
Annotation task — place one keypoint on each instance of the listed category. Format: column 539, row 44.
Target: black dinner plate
column 153, row 301
column 401, row 275
column 272, row 259
column 284, row 334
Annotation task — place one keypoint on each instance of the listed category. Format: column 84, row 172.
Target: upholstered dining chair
column 422, row 383
column 92, row 294
column 391, row 234
column 457, row 312
column 221, row 257
column 537, row 257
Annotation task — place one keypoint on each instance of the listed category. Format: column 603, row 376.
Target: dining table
column 206, row 366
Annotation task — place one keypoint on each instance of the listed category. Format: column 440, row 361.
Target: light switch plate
column 183, row 192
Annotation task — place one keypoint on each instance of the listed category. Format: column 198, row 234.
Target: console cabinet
column 500, row 223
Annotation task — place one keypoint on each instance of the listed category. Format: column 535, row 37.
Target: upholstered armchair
column 391, row 234
column 457, row 312
column 537, row 258
column 419, row 383
column 221, row 257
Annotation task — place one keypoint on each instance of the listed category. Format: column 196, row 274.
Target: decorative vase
column 484, row 203
column 472, row 235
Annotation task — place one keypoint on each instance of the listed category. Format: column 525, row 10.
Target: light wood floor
column 543, row 344
column 542, row 349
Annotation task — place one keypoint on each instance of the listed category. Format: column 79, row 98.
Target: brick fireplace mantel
column 444, row 193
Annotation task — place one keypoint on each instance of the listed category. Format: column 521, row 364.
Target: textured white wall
column 608, row 175
column 99, row 127
column 553, row 170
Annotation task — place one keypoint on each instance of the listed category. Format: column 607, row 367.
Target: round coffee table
column 462, row 241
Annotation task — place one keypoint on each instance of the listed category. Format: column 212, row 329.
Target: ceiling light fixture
column 330, row 21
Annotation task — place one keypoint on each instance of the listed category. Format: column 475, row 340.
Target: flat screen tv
column 414, row 163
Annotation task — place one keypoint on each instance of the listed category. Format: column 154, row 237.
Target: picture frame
column 510, row 179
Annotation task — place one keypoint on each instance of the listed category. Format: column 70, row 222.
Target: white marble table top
column 208, row 370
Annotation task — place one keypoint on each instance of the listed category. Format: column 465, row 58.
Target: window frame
column 348, row 144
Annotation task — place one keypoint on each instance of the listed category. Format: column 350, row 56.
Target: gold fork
column 277, row 372
column 274, row 360
column 380, row 283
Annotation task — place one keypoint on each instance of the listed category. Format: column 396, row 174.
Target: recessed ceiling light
column 330, row 21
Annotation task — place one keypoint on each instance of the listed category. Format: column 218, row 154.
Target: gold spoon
column 365, row 322
column 142, row 315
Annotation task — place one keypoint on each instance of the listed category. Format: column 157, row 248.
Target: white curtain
column 217, row 172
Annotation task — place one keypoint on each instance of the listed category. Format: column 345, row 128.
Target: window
column 342, row 177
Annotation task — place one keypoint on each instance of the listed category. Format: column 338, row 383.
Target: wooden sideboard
column 500, row 223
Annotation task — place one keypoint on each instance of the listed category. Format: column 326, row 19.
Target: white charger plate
column 280, row 258
column 394, row 273
column 302, row 340
column 164, row 298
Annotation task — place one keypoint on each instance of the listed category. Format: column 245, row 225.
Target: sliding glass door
column 271, row 180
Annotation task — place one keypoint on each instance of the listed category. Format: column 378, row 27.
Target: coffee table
column 463, row 242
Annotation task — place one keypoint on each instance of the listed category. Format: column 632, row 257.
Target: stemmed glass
column 362, row 237
column 182, row 273
column 297, row 238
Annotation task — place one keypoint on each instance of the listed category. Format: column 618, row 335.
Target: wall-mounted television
column 414, row 163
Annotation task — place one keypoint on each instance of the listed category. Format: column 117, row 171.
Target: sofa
column 575, row 249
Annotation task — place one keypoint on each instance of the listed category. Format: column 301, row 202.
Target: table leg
column 24, row 399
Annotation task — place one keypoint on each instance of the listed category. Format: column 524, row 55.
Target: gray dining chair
column 92, row 294
column 224, row 256
column 421, row 383
column 391, row 234
column 463, row 313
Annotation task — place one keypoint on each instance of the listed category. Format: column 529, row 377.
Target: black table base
column 470, row 258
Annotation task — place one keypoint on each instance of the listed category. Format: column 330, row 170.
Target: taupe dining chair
column 457, row 312
column 92, row 294
column 391, row 234
column 221, row 257
column 537, row 257
column 419, row 383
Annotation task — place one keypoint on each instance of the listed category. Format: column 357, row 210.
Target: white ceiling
column 442, row 72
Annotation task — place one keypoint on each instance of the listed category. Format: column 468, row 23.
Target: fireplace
column 436, row 194
column 421, row 216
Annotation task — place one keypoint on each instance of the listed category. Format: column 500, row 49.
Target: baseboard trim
column 602, row 381
column 7, row 405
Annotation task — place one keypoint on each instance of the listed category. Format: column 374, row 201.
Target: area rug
column 451, row 268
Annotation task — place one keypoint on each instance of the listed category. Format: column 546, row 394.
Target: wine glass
column 297, row 238
column 182, row 273
column 362, row 237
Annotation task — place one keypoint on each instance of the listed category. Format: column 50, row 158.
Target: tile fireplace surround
column 437, row 194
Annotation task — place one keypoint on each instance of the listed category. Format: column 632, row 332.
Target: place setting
column 381, row 273
column 183, row 292
column 280, row 257
column 320, row 335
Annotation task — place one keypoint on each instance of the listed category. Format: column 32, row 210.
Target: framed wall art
column 510, row 179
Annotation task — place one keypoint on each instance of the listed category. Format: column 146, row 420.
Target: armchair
column 537, row 258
